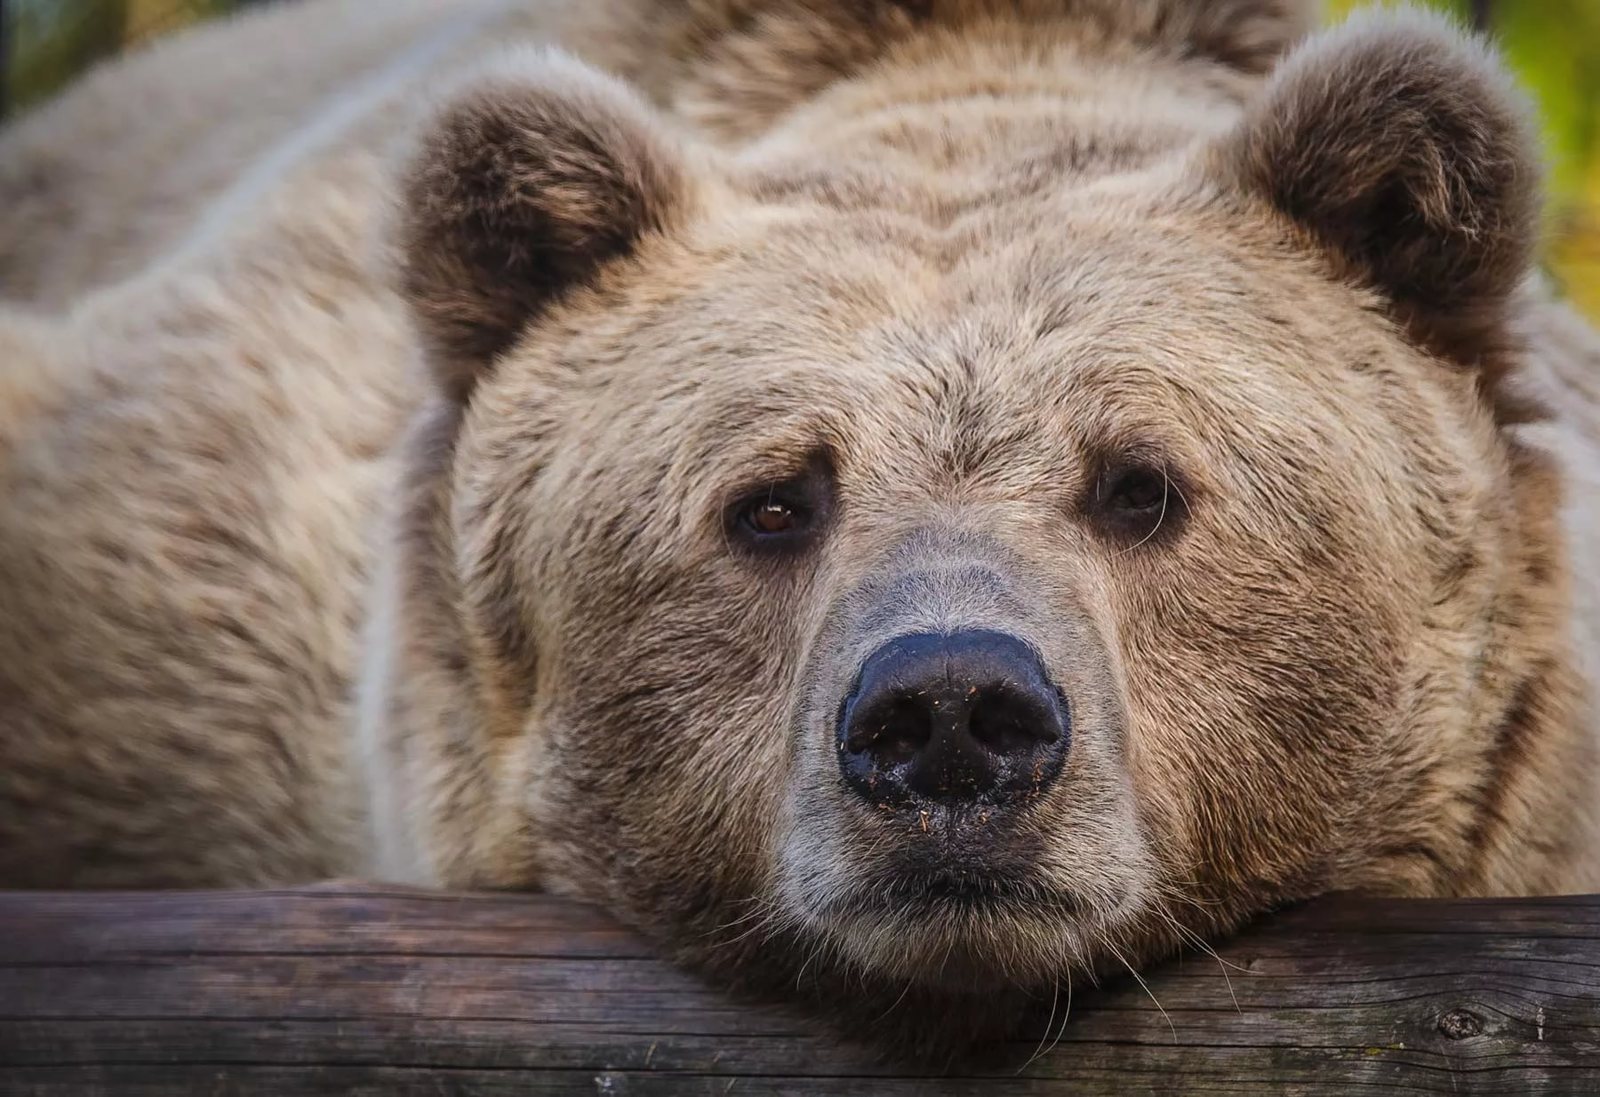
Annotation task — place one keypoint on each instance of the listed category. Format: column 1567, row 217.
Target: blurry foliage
column 1554, row 46
column 50, row 41
column 46, row 45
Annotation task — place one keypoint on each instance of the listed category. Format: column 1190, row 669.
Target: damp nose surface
column 968, row 717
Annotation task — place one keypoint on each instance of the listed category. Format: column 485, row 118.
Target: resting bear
column 931, row 496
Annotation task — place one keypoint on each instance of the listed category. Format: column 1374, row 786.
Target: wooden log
column 363, row 990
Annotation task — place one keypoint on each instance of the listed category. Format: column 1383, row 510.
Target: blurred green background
column 1554, row 45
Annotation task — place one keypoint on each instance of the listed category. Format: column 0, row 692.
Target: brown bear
column 909, row 499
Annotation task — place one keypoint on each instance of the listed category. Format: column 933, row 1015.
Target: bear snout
column 964, row 717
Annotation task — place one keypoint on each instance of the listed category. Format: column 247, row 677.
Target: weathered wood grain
column 354, row 990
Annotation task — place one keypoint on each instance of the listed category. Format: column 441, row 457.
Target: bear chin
column 961, row 928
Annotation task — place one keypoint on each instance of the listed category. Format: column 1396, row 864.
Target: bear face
column 968, row 577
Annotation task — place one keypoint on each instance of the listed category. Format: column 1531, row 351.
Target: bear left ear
column 1405, row 151
column 527, row 183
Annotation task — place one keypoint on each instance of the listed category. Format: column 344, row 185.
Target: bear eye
column 1134, row 501
column 784, row 516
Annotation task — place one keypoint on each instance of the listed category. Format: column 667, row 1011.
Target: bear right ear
column 526, row 184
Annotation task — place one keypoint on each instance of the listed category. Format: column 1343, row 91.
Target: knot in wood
column 1458, row 1024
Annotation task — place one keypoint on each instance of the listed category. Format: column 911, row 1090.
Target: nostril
column 1000, row 732
column 893, row 730
column 1007, row 721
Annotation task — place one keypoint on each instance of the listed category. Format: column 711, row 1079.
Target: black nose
column 966, row 717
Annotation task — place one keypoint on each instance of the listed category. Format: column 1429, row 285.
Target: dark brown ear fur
column 525, row 185
column 1404, row 149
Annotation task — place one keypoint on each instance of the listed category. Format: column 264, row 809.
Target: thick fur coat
column 380, row 423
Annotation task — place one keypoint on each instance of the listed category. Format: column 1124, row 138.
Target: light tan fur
column 369, row 512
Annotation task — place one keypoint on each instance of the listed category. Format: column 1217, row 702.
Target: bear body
column 505, row 474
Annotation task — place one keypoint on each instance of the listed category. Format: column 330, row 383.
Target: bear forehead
column 1154, row 302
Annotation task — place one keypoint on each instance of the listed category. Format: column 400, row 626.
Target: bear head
column 978, row 532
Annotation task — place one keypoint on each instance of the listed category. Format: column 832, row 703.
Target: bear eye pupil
column 1138, row 490
column 771, row 516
